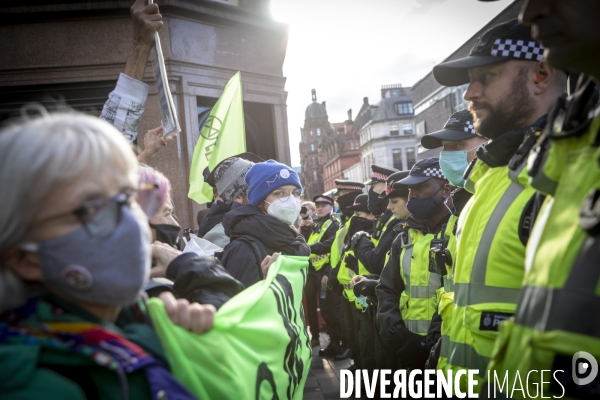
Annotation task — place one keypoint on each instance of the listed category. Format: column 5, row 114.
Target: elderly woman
column 264, row 226
column 74, row 254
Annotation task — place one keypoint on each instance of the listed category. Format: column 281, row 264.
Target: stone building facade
column 77, row 49
column 316, row 126
column 340, row 150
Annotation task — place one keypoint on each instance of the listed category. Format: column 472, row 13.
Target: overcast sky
column 348, row 49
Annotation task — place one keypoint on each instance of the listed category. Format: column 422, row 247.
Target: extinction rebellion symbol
column 211, row 128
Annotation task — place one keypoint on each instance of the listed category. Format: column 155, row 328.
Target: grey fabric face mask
column 108, row 270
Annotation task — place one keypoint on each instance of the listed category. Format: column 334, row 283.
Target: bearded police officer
column 511, row 88
column 556, row 318
column 408, row 290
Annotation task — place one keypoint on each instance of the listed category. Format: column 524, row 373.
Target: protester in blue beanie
column 264, row 226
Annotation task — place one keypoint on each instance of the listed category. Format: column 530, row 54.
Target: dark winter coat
column 254, row 235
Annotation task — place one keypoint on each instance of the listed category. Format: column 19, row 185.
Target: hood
column 214, row 217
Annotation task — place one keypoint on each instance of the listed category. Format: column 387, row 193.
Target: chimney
column 350, row 115
column 366, row 101
column 314, row 95
column 323, row 103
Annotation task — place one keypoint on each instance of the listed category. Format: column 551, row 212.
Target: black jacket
column 254, row 235
column 196, row 279
column 373, row 258
column 391, row 284
column 214, row 217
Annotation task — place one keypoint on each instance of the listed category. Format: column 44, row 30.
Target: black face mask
column 376, row 205
column 168, row 234
column 359, row 224
column 347, row 200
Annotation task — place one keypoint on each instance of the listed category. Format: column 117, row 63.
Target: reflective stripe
column 445, row 349
column 312, row 239
column 420, row 292
column 465, row 356
column 406, row 261
column 448, row 285
column 417, row 326
column 475, row 291
column 468, row 294
column 514, row 174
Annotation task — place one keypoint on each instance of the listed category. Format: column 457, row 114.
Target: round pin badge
column 284, row 173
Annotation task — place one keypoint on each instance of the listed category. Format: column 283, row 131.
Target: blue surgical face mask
column 454, row 164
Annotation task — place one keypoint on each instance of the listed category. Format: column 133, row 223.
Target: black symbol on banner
column 211, row 128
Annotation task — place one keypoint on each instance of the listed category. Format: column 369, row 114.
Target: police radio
column 439, row 257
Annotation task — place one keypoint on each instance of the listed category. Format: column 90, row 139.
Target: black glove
column 365, row 287
column 358, row 236
column 434, row 355
column 351, row 263
column 414, row 353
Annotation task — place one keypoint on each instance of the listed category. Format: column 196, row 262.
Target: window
column 407, row 129
column 318, row 131
column 314, row 176
column 404, row 108
column 394, row 130
column 313, row 161
column 421, row 131
column 410, row 157
column 311, row 132
column 312, row 146
column 459, row 102
column 397, row 158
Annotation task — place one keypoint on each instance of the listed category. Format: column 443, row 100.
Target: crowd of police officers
column 487, row 257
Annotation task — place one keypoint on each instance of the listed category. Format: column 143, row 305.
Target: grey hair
column 38, row 153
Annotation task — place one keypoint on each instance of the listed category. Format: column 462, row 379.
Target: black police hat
column 380, row 174
column 322, row 199
column 342, row 184
column 360, row 203
column 503, row 42
column 393, row 188
column 210, row 178
column 459, row 127
column 424, row 170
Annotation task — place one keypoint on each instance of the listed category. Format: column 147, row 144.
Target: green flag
column 258, row 348
column 222, row 136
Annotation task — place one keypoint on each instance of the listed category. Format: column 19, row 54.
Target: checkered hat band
column 322, row 200
column 434, row 173
column 379, row 176
column 520, row 49
column 343, row 187
column 469, row 127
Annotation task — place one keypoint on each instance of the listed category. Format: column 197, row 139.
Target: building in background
column 387, row 132
column 316, row 126
column 339, row 151
column 75, row 50
column 435, row 103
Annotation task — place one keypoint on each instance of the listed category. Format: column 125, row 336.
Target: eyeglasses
column 284, row 195
column 100, row 217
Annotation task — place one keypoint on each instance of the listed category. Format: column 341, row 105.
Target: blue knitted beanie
column 267, row 176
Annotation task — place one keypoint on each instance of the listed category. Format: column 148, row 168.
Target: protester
column 307, row 211
column 74, row 255
column 263, row 226
column 228, row 178
column 555, row 314
column 510, row 91
column 407, row 291
column 320, row 240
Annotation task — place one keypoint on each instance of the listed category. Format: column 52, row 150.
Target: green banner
column 259, row 347
column 223, row 135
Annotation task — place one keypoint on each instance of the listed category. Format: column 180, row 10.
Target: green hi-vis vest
column 338, row 244
column 489, row 266
column 319, row 261
column 445, row 306
column 258, row 347
column 387, row 223
column 557, row 313
column 419, row 299
column 345, row 275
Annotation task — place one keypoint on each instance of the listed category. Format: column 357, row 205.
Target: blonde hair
column 309, row 204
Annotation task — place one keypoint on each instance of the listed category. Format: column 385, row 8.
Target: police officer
column 369, row 252
column 510, row 90
column 346, row 193
column 323, row 233
column 556, row 315
column 459, row 142
column 408, row 290
column 349, row 266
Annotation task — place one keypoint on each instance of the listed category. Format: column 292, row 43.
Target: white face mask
column 285, row 209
